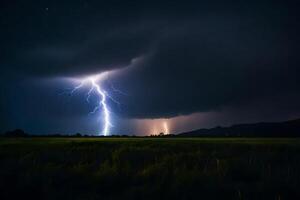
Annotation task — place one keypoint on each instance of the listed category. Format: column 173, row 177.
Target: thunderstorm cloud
column 171, row 59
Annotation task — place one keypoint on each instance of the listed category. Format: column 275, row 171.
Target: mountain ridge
column 290, row 128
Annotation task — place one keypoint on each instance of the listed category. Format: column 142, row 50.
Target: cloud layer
column 173, row 58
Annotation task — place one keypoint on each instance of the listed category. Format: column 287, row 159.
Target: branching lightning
column 93, row 82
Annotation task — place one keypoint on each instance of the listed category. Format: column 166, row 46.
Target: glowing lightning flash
column 95, row 86
column 166, row 128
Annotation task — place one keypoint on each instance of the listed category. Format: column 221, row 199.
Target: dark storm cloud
column 174, row 58
column 93, row 56
column 67, row 38
column 56, row 38
column 104, row 51
column 197, row 67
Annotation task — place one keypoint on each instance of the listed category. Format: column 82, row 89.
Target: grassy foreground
column 149, row 168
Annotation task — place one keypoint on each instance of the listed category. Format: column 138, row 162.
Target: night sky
column 190, row 64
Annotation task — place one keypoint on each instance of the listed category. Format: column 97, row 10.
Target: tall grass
column 149, row 169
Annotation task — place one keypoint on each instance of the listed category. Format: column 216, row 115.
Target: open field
column 149, row 168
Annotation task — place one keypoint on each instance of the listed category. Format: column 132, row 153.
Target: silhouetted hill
column 16, row 133
column 274, row 129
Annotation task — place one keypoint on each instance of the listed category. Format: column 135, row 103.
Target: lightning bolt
column 94, row 86
column 102, row 103
column 166, row 128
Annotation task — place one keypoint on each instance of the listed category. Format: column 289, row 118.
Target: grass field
column 149, row 168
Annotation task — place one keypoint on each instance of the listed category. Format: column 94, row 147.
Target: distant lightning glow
column 166, row 128
column 93, row 82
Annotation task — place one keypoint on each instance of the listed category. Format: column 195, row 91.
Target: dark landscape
column 247, row 161
column 149, row 168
